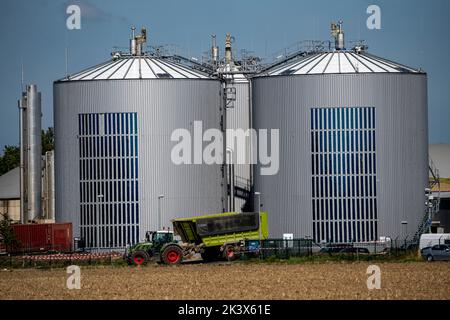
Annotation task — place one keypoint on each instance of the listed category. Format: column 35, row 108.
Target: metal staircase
column 242, row 190
column 431, row 202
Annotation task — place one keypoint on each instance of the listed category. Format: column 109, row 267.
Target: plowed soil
column 233, row 281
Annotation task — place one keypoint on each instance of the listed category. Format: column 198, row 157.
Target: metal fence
column 47, row 260
column 285, row 249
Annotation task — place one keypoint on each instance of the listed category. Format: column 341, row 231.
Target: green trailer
column 214, row 236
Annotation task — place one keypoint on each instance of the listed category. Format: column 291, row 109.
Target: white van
column 430, row 239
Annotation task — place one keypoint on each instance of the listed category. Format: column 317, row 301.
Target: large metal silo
column 353, row 146
column 113, row 127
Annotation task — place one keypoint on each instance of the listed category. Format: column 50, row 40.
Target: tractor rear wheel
column 172, row 254
column 139, row 258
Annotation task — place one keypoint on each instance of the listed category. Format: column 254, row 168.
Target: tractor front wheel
column 139, row 258
column 172, row 254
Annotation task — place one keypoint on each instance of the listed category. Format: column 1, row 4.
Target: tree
column 11, row 154
column 7, row 235
column 10, row 159
column 48, row 140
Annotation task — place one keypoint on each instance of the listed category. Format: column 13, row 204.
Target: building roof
column 440, row 154
column 349, row 61
column 136, row 67
column 10, row 185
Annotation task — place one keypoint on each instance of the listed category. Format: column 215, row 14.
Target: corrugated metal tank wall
column 162, row 106
column 400, row 102
column 238, row 117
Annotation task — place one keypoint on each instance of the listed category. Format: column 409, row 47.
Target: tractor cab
column 159, row 238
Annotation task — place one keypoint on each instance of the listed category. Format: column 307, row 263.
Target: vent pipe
column 338, row 34
column 214, row 49
column 228, row 53
column 137, row 42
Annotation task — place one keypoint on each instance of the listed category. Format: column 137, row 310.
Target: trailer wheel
column 172, row 254
column 139, row 257
column 230, row 254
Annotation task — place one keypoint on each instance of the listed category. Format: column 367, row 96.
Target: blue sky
column 413, row 32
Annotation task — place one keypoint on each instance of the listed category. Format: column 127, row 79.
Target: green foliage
column 48, row 140
column 10, row 159
column 6, row 232
column 11, row 154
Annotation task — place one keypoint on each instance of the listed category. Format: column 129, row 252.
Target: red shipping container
column 43, row 237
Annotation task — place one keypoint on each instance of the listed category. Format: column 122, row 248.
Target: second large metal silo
column 115, row 178
column 353, row 146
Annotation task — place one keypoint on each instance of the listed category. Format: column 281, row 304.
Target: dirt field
column 234, row 281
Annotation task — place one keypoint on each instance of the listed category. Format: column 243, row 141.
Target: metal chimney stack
column 137, row 42
column 228, row 52
column 338, row 34
column 214, row 50
column 30, row 154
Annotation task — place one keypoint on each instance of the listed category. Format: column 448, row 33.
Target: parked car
column 431, row 239
column 437, row 252
column 355, row 250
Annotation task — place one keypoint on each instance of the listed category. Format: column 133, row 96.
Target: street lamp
column 160, row 197
column 231, row 178
column 258, row 194
column 99, row 198
column 405, row 223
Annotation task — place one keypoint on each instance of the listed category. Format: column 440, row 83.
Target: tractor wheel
column 139, row 258
column 172, row 254
column 230, row 254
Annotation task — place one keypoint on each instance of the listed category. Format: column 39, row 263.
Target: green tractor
column 157, row 244
column 213, row 236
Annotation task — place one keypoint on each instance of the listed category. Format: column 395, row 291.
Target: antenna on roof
column 66, row 55
column 21, row 74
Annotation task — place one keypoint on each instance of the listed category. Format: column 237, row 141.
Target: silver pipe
column 22, row 107
column 231, row 178
column 214, row 49
column 223, row 110
column 250, row 125
column 51, row 185
column 34, row 152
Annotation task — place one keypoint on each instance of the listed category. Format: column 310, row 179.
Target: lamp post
column 405, row 223
column 99, row 199
column 160, row 197
column 231, row 178
column 258, row 194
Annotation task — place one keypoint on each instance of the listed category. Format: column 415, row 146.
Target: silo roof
column 137, row 67
column 338, row 62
